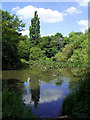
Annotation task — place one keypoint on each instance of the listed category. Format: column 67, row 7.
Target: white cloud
column 17, row 8
column 84, row 29
column 25, row 32
column 84, row 24
column 46, row 15
column 83, row 2
column 73, row 10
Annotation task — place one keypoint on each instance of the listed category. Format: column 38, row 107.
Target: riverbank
column 57, row 66
column 77, row 103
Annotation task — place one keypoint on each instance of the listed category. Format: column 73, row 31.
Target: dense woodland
column 72, row 49
column 50, row 52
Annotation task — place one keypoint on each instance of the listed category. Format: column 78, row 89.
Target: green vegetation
column 76, row 52
column 49, row 52
column 23, row 50
column 11, row 25
column 35, row 30
column 55, row 51
column 36, row 54
column 77, row 103
column 12, row 105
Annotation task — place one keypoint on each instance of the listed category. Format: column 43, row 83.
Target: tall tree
column 35, row 29
column 11, row 25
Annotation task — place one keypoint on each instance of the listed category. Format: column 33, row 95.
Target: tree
column 35, row 29
column 65, row 41
column 23, row 49
column 36, row 53
column 47, row 45
column 57, row 41
column 11, row 25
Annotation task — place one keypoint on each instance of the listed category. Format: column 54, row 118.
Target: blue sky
column 62, row 17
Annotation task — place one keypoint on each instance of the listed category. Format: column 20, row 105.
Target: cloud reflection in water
column 50, row 95
column 46, row 95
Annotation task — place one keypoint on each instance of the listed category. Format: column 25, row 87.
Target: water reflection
column 35, row 91
column 58, row 81
column 32, row 94
column 45, row 97
column 50, row 95
column 42, row 90
column 27, row 85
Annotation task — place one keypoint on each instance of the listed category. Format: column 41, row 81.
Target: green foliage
column 23, row 50
column 57, row 41
column 36, row 53
column 46, row 46
column 71, row 34
column 76, row 51
column 10, row 37
column 65, row 41
column 80, row 55
column 35, row 29
column 51, row 45
column 77, row 103
column 66, row 53
column 72, row 49
column 12, row 105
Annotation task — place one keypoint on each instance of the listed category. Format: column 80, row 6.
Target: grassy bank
column 77, row 103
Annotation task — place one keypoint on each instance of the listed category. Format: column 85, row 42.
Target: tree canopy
column 11, row 25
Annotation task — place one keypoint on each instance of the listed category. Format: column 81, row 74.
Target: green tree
column 23, row 49
column 47, row 45
column 65, row 41
column 51, row 44
column 35, row 29
column 57, row 41
column 36, row 53
column 11, row 27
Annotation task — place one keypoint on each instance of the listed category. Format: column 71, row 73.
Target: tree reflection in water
column 35, row 91
column 32, row 88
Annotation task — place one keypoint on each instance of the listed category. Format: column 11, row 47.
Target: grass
column 77, row 103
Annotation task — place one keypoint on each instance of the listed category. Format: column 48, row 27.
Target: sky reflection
column 48, row 93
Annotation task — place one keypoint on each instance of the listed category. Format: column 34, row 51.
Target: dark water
column 43, row 90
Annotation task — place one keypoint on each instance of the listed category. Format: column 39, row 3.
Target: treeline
column 72, row 49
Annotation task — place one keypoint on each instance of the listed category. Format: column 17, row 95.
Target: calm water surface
column 43, row 90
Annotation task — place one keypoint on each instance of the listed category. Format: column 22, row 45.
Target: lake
column 43, row 90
